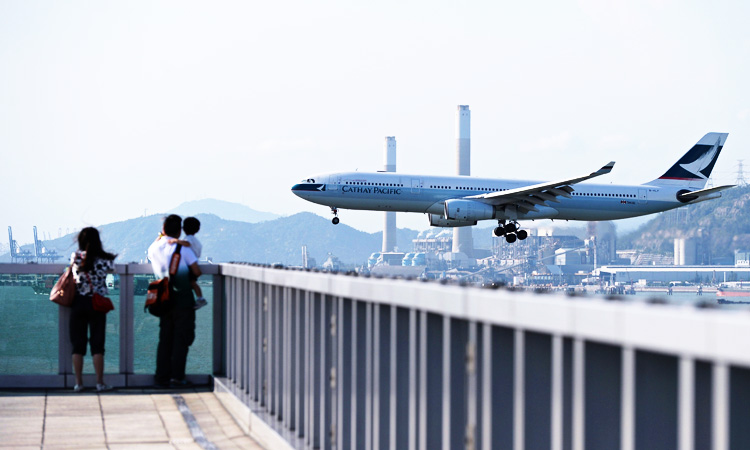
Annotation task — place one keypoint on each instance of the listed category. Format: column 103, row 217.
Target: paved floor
column 185, row 419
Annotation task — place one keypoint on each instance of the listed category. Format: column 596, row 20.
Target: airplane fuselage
column 386, row 191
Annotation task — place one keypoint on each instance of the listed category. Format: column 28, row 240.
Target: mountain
column 273, row 241
column 223, row 209
column 722, row 224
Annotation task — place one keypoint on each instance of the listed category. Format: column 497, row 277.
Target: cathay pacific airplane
column 459, row 201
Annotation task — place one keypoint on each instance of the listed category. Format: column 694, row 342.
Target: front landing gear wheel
column 335, row 212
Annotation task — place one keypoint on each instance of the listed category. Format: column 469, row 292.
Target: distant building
column 741, row 258
column 685, row 251
column 437, row 240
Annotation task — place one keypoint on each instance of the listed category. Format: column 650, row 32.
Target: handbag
column 102, row 303
column 158, row 294
column 64, row 289
column 99, row 302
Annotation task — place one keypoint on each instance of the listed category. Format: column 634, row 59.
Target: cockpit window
column 309, row 180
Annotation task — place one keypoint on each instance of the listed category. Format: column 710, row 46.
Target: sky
column 115, row 110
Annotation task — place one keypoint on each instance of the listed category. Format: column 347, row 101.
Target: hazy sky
column 111, row 110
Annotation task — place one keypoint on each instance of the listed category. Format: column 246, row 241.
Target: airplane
column 459, row 201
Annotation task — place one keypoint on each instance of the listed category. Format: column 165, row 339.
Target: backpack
column 158, row 300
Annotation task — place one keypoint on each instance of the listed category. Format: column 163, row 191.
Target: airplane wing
column 528, row 197
column 701, row 194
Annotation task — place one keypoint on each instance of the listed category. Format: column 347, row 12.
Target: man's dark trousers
column 176, row 335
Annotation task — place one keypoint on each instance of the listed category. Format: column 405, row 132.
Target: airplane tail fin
column 695, row 166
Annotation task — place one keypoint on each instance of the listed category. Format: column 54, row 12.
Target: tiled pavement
column 118, row 419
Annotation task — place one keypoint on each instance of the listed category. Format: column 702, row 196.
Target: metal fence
column 336, row 361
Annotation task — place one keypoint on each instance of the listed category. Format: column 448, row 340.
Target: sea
column 29, row 335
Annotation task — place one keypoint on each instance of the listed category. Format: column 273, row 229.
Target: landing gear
column 335, row 212
column 511, row 231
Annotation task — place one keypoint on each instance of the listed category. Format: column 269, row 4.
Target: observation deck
column 319, row 360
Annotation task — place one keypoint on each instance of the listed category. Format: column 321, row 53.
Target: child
column 190, row 226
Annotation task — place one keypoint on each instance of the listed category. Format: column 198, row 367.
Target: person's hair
column 191, row 225
column 173, row 226
column 89, row 241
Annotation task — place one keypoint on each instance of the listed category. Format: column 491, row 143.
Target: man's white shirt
column 160, row 255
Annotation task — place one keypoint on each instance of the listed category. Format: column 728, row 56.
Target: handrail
column 331, row 360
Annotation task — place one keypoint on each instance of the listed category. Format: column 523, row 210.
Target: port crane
column 42, row 253
column 16, row 254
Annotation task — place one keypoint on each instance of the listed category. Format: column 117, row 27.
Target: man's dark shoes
column 180, row 383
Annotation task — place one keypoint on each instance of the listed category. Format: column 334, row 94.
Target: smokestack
column 389, row 224
column 462, row 236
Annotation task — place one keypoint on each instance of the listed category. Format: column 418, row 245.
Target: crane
column 16, row 254
column 42, row 253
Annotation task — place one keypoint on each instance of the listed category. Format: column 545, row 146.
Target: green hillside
column 723, row 224
column 275, row 241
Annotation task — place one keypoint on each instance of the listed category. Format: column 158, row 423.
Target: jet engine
column 436, row 220
column 468, row 210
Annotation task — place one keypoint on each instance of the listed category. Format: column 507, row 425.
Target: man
column 177, row 325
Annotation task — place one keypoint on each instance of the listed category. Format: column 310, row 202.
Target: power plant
column 462, row 236
column 389, row 226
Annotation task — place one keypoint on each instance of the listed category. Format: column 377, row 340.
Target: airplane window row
column 363, row 183
column 432, row 186
column 591, row 194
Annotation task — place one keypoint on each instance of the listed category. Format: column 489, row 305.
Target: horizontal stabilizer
column 702, row 194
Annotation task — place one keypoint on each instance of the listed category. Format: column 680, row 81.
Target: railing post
column 720, row 406
column 519, row 391
column 127, row 307
column 628, row 400
column 65, row 349
column 686, row 403
column 219, row 306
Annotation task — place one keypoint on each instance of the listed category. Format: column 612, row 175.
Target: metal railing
column 335, row 361
column 124, row 373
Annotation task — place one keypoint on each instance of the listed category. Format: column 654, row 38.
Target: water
column 29, row 335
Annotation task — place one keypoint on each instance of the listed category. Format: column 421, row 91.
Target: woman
column 90, row 267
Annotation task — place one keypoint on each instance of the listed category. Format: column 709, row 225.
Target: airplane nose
column 308, row 187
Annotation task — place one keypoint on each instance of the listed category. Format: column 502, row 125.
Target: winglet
column 606, row 169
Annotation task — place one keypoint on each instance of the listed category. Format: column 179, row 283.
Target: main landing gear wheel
column 335, row 212
column 511, row 231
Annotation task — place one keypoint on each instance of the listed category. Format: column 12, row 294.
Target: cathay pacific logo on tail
column 698, row 163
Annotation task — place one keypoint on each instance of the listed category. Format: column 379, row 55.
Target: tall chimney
column 462, row 236
column 389, row 224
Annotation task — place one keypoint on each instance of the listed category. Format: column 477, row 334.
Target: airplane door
column 333, row 183
column 416, row 184
column 642, row 195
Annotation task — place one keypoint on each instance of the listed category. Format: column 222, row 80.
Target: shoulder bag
column 158, row 294
column 64, row 289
